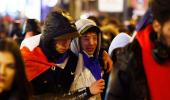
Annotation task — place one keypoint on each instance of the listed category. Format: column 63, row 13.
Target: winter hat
column 119, row 41
column 84, row 25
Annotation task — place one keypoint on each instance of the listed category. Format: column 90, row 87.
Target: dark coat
column 57, row 81
column 128, row 79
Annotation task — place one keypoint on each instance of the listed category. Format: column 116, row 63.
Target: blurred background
column 38, row 9
column 112, row 16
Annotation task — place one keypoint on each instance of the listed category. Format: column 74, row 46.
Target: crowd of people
column 86, row 59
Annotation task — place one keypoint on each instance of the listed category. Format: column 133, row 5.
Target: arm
column 85, row 93
column 80, row 94
column 108, row 63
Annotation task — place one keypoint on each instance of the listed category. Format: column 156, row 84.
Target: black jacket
column 54, row 84
column 56, row 80
column 128, row 80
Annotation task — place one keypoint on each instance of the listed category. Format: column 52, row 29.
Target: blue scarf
column 93, row 65
column 62, row 58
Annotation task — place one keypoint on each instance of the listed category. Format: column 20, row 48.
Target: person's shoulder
column 31, row 42
column 128, row 55
column 133, row 46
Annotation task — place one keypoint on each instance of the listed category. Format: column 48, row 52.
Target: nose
column 2, row 70
column 91, row 41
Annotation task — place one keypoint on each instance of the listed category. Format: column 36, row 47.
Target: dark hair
column 161, row 10
column 20, row 86
column 2, row 27
column 32, row 25
column 3, row 31
column 15, row 29
column 93, row 29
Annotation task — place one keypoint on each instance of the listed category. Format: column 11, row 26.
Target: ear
column 156, row 26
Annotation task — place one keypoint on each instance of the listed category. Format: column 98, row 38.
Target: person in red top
column 142, row 69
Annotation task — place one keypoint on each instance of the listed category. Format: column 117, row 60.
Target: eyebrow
column 11, row 64
column 90, row 35
column 8, row 62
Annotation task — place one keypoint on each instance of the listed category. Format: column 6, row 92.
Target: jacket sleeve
column 116, row 86
column 80, row 94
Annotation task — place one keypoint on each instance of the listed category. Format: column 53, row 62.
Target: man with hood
column 50, row 64
column 87, row 47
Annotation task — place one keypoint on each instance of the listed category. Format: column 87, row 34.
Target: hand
column 97, row 87
column 108, row 63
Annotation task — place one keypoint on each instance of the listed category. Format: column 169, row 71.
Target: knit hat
column 119, row 41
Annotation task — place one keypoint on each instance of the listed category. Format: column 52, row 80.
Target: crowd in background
column 98, row 58
column 110, row 26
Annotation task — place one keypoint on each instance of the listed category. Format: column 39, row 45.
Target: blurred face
column 163, row 31
column 62, row 45
column 88, row 42
column 2, row 35
column 166, row 33
column 7, row 71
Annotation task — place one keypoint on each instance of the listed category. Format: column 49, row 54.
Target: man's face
column 88, row 42
column 166, row 33
column 163, row 32
column 62, row 45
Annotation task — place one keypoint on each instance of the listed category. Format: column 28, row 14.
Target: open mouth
column 90, row 49
column 2, row 80
column 63, row 50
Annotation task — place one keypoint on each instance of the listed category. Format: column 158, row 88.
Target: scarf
column 62, row 58
column 93, row 65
